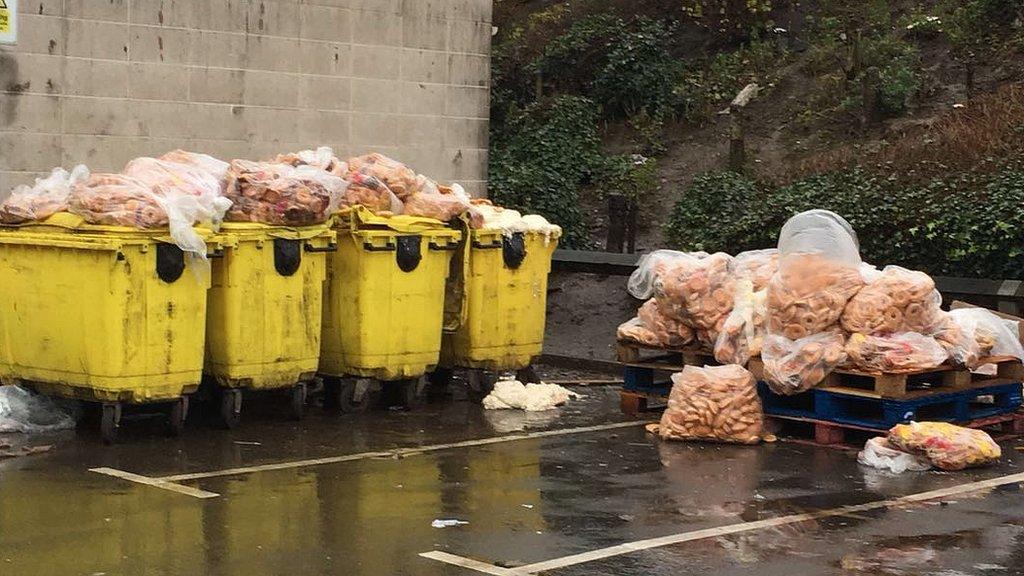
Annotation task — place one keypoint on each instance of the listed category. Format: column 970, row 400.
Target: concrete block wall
column 102, row 81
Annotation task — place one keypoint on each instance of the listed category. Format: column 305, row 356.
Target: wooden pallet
column 913, row 382
column 636, row 354
column 906, row 384
column 636, row 403
column 658, row 359
column 867, row 409
column 851, row 437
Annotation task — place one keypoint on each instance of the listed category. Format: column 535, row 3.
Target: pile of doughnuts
column 898, row 300
column 717, row 403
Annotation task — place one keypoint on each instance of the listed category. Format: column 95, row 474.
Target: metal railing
column 1003, row 295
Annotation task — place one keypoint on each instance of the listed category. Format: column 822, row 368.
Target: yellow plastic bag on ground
column 947, row 446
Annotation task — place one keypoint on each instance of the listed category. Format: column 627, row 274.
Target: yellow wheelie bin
column 265, row 308
column 496, row 305
column 106, row 314
column 384, row 305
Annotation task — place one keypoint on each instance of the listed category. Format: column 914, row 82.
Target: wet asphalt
column 525, row 501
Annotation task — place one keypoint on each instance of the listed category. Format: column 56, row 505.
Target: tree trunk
column 617, row 208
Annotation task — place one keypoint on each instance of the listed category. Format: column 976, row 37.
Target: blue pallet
column 840, row 407
column 641, row 380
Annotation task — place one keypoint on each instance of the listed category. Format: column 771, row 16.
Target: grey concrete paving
column 526, row 501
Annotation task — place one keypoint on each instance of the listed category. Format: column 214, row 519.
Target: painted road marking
column 171, row 482
column 638, row 545
column 158, row 483
column 468, row 563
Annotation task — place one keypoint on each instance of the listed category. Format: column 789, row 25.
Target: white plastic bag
column 43, row 199
column 24, row 411
column 974, row 334
column 879, row 453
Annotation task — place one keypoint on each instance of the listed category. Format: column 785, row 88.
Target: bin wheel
column 110, row 421
column 528, row 375
column 176, row 419
column 332, row 394
column 230, row 407
column 439, row 383
column 409, row 393
column 481, row 383
column 298, row 400
column 369, row 392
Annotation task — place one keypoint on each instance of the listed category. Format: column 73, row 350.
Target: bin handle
column 389, row 247
column 480, row 245
column 450, row 247
column 331, row 247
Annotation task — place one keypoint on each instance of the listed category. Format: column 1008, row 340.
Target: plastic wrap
column 820, row 232
column 718, row 403
column 187, row 194
column 399, row 178
column 152, row 194
column 878, row 453
column 281, row 194
column 901, row 352
column 216, row 168
column 442, row 203
column 650, row 267
column 633, row 330
column 974, row 334
column 168, row 179
column 819, row 271
column 652, row 328
column 322, row 158
column 43, row 199
column 24, row 411
column 371, row 192
column 116, row 200
column 792, row 366
column 808, row 294
column 698, row 291
column 896, row 300
column 947, row 446
column 742, row 334
column 757, row 265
